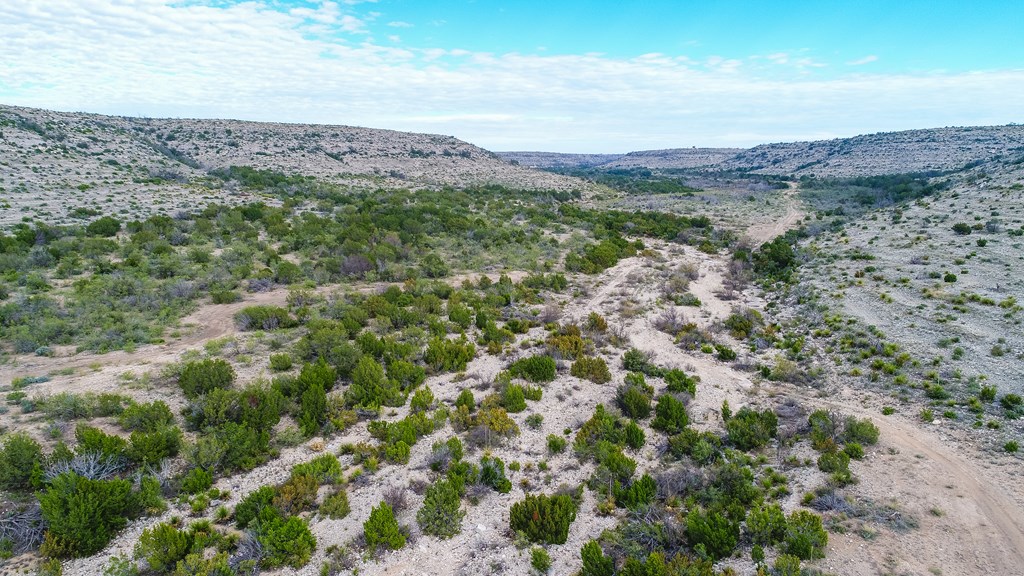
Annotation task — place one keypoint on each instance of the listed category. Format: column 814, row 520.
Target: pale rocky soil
column 901, row 296
column 915, row 467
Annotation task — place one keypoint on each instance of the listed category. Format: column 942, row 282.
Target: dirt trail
column 982, row 531
column 760, row 233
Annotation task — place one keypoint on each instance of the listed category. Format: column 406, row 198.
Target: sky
column 559, row 75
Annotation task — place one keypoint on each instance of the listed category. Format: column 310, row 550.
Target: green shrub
column 805, row 537
column 633, row 436
column 492, row 473
column 679, row 381
column 286, row 542
column 381, row 529
column 263, row 318
column 1013, row 404
column 421, row 400
column 556, row 444
column 725, row 353
column 749, row 429
column 595, row 563
column 370, row 388
column 440, row 514
column 445, row 355
column 19, row 455
column 406, row 374
column 742, row 323
column 296, row 495
column 716, row 533
column 397, row 453
column 146, row 417
column 313, row 410
column 512, row 398
column 198, row 378
column 860, row 431
column 249, row 508
column 540, row 560
column 162, row 546
column 767, row 525
column 196, row 480
column 542, row 518
column 786, row 565
column 540, row 368
column 670, row 415
column 224, row 296
column 640, row 493
column 590, row 368
column 854, row 450
column 324, row 468
column 94, row 440
column 153, row 447
column 702, row 447
column 634, row 400
column 466, row 399
column 106, row 226
column 335, row 505
column 82, row 514
column 280, row 362
column 831, row 462
column 1011, row 446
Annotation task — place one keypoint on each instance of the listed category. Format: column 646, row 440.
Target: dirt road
column 760, row 233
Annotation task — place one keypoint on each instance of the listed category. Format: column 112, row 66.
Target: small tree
column 670, row 415
column 286, row 541
column 18, row 456
column 441, row 514
column 381, row 529
column 805, row 537
column 595, row 563
column 198, row 378
column 83, row 514
column 749, row 429
column 162, row 546
column 313, row 410
column 544, row 518
column 712, row 530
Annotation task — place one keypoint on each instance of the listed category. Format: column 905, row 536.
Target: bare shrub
column 249, row 548
column 670, row 321
column 550, row 313
column 679, row 481
column 23, row 528
column 831, row 501
column 91, row 465
column 396, row 497
column 260, row 285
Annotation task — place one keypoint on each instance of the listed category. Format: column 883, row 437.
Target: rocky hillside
column 557, row 159
column 884, row 153
column 54, row 162
column 675, row 158
column 665, row 159
column 939, row 149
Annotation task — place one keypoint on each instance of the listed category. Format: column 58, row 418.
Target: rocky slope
column 938, row 149
column 54, row 162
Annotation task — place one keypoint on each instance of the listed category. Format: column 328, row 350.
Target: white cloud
column 862, row 61
column 249, row 60
column 399, row 24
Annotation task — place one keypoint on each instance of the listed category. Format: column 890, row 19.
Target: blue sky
column 556, row 75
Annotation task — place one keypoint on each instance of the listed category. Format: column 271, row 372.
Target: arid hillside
column 55, row 162
column 938, row 149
